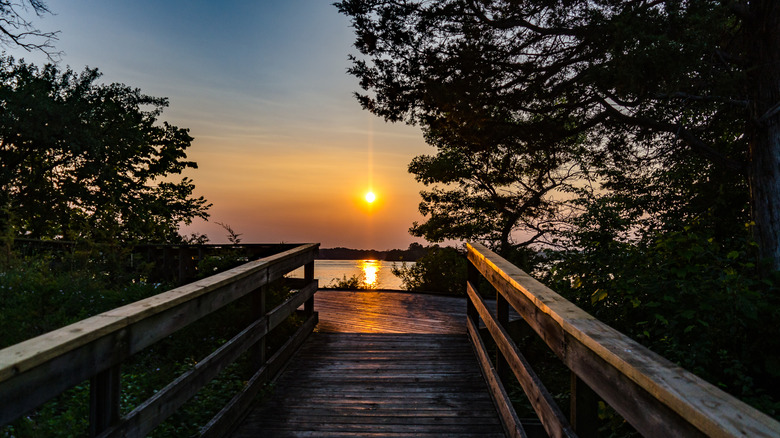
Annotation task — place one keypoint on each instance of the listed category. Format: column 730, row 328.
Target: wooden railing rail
column 38, row 369
column 657, row 397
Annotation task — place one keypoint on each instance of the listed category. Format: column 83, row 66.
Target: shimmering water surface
column 375, row 274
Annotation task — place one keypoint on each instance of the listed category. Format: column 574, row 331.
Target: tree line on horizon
column 414, row 252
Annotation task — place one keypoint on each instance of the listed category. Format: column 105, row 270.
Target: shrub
column 441, row 270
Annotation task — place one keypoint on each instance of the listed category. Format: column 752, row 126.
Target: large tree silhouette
column 82, row 160
column 666, row 76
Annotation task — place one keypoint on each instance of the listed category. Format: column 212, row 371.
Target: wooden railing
column 36, row 370
column 657, row 397
column 177, row 263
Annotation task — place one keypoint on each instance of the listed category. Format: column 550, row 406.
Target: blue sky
column 285, row 152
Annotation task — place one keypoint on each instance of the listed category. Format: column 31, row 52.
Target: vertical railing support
column 473, row 279
column 584, row 416
column 308, row 276
column 258, row 311
column 104, row 389
column 502, row 315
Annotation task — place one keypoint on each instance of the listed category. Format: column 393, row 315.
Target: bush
column 355, row 282
column 441, row 270
column 689, row 297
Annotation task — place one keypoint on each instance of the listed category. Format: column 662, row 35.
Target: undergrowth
column 42, row 292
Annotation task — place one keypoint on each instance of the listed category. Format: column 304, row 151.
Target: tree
column 508, row 195
column 667, row 76
column 669, row 110
column 82, row 160
column 15, row 29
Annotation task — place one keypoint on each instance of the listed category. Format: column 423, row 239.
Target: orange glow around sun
column 370, row 197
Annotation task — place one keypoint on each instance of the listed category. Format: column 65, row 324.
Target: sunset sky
column 285, row 152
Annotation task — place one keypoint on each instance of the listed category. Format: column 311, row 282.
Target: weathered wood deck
column 381, row 364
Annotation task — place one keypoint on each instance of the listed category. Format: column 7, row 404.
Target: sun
column 370, row 197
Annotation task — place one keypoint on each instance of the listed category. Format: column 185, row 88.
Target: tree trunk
column 764, row 81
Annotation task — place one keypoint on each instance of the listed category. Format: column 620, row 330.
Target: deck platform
column 388, row 364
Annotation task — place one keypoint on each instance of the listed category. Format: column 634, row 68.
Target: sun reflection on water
column 370, row 269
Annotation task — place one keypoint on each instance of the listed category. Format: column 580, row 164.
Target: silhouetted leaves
column 83, row 160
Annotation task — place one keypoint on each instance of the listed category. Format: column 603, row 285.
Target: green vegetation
column 354, row 282
column 42, row 292
column 623, row 152
column 441, row 270
column 88, row 161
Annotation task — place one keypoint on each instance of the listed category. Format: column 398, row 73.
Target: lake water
column 375, row 274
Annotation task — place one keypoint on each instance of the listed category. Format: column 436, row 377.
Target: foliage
column 619, row 78
column 442, row 270
column 665, row 115
column 688, row 296
column 232, row 236
column 44, row 291
column 82, row 160
column 354, row 282
column 224, row 260
column 492, row 194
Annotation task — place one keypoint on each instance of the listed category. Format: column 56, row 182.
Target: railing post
column 502, row 315
column 472, row 278
column 104, row 389
column 308, row 276
column 258, row 311
column 584, row 416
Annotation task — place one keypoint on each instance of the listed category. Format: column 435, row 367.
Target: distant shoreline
column 394, row 255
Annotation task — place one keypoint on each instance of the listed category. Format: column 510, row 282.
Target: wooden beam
column 38, row 369
column 555, row 423
column 656, row 396
column 502, row 318
column 308, row 276
column 104, row 391
column 584, row 409
column 231, row 414
column 282, row 311
column 165, row 402
column 506, row 411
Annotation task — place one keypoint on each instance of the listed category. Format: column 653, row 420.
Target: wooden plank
column 33, row 371
column 656, row 396
column 227, row 418
column 373, row 384
column 272, row 433
column 389, row 312
column 584, row 409
column 324, row 427
column 284, row 310
column 555, row 423
column 104, row 392
column 165, row 402
column 385, row 405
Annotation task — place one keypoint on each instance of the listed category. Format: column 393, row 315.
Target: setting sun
column 370, row 197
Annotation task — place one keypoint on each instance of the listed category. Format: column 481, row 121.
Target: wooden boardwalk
column 381, row 364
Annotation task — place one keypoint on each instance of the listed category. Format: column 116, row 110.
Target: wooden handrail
column 38, row 369
column 653, row 394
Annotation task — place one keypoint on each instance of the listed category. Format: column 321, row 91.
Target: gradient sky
column 285, row 152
